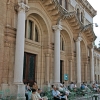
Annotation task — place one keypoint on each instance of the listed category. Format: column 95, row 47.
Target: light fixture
column 96, row 25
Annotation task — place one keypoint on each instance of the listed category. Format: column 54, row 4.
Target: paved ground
column 88, row 98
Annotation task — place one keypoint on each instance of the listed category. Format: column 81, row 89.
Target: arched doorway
column 65, row 55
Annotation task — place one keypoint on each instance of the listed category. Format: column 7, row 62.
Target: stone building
column 43, row 40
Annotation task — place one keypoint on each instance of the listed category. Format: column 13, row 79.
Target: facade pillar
column 57, row 29
column 78, row 61
column 92, row 65
column 70, row 66
column 19, row 52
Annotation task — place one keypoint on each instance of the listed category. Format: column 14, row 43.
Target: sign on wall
column 65, row 77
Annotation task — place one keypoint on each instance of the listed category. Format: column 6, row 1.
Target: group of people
column 94, row 86
column 32, row 93
column 61, row 92
column 58, row 93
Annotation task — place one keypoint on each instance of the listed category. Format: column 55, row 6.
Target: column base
column 4, row 87
column 78, row 85
column 92, row 82
column 57, row 84
column 20, row 91
column 16, row 90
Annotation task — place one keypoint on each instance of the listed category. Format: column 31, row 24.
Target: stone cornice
column 91, row 32
column 88, row 7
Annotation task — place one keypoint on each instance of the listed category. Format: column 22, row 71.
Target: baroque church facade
column 45, row 40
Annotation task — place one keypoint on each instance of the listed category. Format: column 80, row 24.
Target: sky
column 96, row 5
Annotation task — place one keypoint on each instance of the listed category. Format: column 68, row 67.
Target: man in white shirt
column 56, row 93
column 39, row 97
column 34, row 96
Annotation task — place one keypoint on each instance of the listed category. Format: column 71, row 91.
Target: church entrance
column 29, row 68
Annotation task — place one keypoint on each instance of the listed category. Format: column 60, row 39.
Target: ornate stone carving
column 21, row 7
column 57, row 27
column 8, row 2
column 79, row 39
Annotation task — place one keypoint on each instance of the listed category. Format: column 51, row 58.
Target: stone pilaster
column 92, row 65
column 86, row 75
column 71, row 70
column 3, row 10
column 47, row 77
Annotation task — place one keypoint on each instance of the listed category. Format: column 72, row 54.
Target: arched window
column 32, row 32
column 82, row 18
column 78, row 13
column 36, row 33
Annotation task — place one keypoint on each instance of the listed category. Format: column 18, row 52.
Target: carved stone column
column 78, row 59
column 19, row 52
column 20, row 36
column 57, row 29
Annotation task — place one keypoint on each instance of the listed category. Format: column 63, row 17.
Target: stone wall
column 2, row 26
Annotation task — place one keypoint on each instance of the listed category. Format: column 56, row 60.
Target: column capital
column 91, row 46
column 21, row 7
column 78, row 39
column 57, row 27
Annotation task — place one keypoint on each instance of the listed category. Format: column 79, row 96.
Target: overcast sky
column 96, row 5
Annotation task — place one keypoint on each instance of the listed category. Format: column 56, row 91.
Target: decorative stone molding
column 79, row 39
column 22, row 7
column 57, row 27
column 87, row 5
column 8, row 2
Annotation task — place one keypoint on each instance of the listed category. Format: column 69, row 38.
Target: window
column 82, row 18
column 78, row 13
column 25, row 27
column 36, row 34
column 30, row 31
column 61, row 44
column 66, row 4
column 60, row 1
